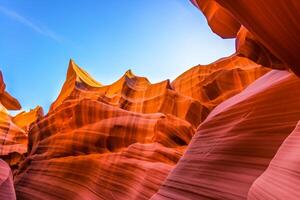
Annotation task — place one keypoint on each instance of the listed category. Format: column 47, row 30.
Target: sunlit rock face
column 227, row 130
column 13, row 140
column 237, row 141
column 247, row 146
column 107, row 142
column 219, row 19
column 86, row 149
column 6, row 99
column 25, row 119
column 132, row 93
column 212, row 84
column 118, row 141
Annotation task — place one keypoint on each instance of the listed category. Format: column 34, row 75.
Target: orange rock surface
column 25, row 119
column 231, row 156
column 86, row 149
column 248, row 46
column 13, row 139
column 237, row 141
column 273, row 26
column 118, row 141
column 212, row 84
column 218, row 18
column 114, row 142
column 227, row 130
column 132, row 93
column 6, row 99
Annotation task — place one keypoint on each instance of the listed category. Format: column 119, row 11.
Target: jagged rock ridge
column 221, row 131
column 118, row 141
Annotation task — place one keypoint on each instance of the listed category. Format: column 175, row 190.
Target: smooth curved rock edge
column 237, row 141
column 274, row 33
column 128, row 140
column 7, row 191
column 120, row 141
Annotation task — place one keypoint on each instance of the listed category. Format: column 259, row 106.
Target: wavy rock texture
column 219, row 19
column 132, row 93
column 281, row 179
column 248, row 46
column 86, row 149
column 212, row 84
column 236, row 142
column 272, row 24
column 25, row 119
column 7, row 191
column 13, row 139
column 117, row 141
column 107, row 142
column 137, row 140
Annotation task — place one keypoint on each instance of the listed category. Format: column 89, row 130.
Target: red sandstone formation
column 132, row 93
column 219, row 19
column 281, row 179
column 203, row 136
column 275, row 24
column 212, row 84
column 95, row 146
column 7, row 191
column 25, row 119
column 86, row 149
column 119, row 141
column 236, row 142
column 6, row 99
column 248, row 46
column 114, row 142
column 273, row 27
column 13, row 139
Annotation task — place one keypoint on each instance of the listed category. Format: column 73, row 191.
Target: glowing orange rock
column 219, row 19
column 24, row 119
column 75, row 75
column 212, row 84
column 132, row 93
column 90, row 150
column 237, row 141
column 6, row 99
column 121, row 141
column 13, row 140
column 117, row 141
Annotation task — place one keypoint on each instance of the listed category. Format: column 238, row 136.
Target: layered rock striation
column 118, row 141
column 227, row 130
column 13, row 139
column 237, row 141
column 246, row 147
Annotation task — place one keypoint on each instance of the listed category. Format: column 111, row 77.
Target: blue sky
column 159, row 39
